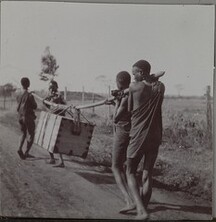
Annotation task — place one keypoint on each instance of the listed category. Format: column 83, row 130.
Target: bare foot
column 21, row 154
column 143, row 216
column 61, row 165
column 52, row 161
column 127, row 208
column 27, row 155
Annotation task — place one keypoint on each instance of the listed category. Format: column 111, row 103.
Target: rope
column 85, row 118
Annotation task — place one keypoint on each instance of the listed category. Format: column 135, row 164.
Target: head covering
column 143, row 65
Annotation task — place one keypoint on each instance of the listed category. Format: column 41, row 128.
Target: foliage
column 185, row 132
column 49, row 66
column 7, row 90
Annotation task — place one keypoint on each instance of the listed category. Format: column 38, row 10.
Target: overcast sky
column 89, row 40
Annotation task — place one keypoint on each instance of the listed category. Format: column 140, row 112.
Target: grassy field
column 185, row 159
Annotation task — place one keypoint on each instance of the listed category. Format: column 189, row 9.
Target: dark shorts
column 27, row 126
column 121, row 141
column 146, row 158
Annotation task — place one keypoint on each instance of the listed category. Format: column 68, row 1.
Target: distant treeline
column 184, row 97
column 73, row 95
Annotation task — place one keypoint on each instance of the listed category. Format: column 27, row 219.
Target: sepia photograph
column 106, row 111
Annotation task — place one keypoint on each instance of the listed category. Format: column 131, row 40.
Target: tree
column 48, row 65
column 6, row 91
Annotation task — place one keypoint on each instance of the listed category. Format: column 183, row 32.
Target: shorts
column 27, row 126
column 121, row 141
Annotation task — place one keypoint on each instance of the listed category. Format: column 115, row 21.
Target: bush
column 186, row 132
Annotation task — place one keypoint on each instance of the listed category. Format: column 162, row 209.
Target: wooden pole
column 209, row 116
column 93, row 101
column 214, row 145
column 65, row 93
column 214, row 125
column 87, row 106
column 109, row 113
column 83, row 95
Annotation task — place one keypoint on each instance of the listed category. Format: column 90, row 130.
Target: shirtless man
column 144, row 103
column 26, row 107
column 121, row 127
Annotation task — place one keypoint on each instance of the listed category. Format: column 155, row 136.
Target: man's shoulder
column 159, row 86
column 30, row 96
column 135, row 85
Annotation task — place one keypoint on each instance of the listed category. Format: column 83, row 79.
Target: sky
column 89, row 40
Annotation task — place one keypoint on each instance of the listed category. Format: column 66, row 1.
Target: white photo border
column 169, row 2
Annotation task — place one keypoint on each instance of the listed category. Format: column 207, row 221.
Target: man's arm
column 155, row 76
column 121, row 109
column 33, row 103
column 130, row 100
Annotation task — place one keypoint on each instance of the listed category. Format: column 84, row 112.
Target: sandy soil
column 33, row 188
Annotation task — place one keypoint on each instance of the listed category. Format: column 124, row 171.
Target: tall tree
column 48, row 65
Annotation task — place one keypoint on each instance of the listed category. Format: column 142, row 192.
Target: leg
column 121, row 140
column 61, row 158
column 120, row 179
column 146, row 190
column 133, row 185
column 61, row 164
column 22, row 139
column 52, row 159
column 31, row 131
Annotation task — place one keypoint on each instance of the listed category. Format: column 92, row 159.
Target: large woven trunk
column 59, row 134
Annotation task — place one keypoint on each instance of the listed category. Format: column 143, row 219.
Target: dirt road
column 33, row 188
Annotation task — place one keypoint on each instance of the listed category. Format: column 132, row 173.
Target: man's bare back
column 140, row 93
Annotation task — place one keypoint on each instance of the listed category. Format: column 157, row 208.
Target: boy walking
column 144, row 103
column 26, row 107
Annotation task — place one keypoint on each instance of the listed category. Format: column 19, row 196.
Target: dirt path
column 33, row 188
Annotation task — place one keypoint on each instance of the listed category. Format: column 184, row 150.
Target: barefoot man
column 26, row 107
column 122, row 125
column 144, row 103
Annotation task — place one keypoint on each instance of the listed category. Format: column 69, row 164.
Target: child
column 55, row 98
column 144, row 103
column 26, row 107
column 121, row 139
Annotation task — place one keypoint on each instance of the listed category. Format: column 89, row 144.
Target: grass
column 185, row 160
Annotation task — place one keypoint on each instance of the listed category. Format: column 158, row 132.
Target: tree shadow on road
column 103, row 167
column 37, row 158
column 176, row 207
column 97, row 178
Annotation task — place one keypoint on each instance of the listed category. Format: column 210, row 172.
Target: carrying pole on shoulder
column 60, row 106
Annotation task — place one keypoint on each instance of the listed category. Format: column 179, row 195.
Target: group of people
column 137, row 134
column 137, row 123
